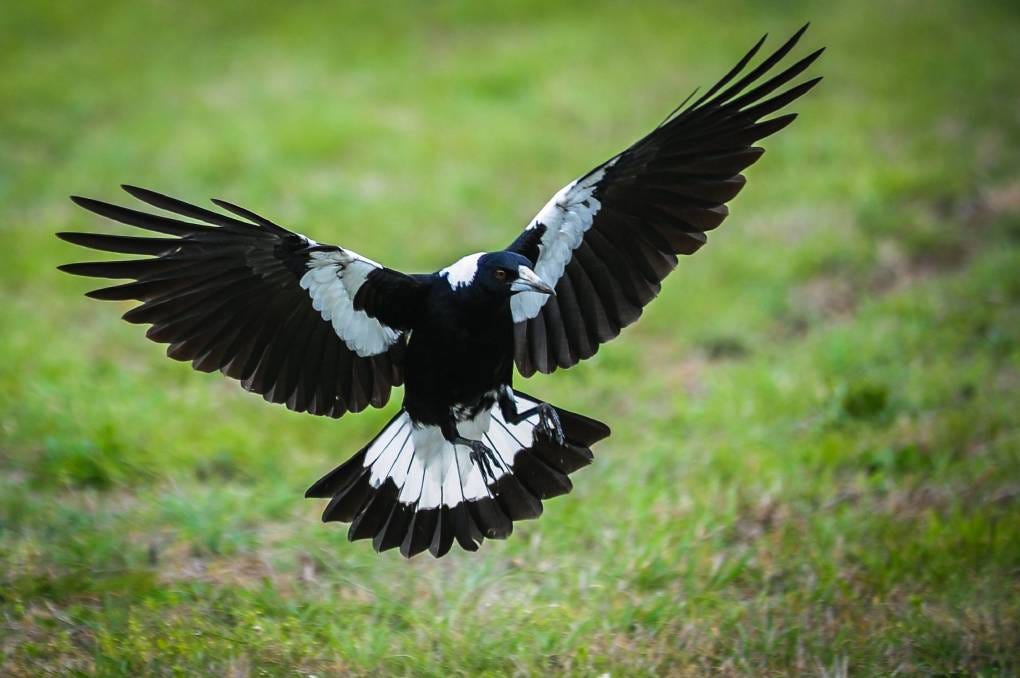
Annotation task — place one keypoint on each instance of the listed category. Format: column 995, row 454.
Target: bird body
column 327, row 331
column 466, row 455
column 462, row 351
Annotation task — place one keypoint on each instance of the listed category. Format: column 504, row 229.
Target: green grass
column 815, row 465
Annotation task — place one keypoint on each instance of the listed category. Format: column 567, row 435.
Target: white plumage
column 333, row 280
column 566, row 217
column 461, row 272
column 431, row 472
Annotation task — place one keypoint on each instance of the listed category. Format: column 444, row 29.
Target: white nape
column 333, row 280
column 462, row 272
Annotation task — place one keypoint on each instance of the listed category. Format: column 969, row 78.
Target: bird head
column 508, row 273
column 496, row 274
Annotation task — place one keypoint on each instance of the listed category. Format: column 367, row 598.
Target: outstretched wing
column 313, row 326
column 606, row 241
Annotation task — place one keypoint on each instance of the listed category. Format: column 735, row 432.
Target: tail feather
column 580, row 430
column 469, row 536
column 346, row 503
column 367, row 523
column 410, row 488
column 541, row 479
column 566, row 458
column 342, row 476
column 444, row 534
column 420, row 532
column 392, row 533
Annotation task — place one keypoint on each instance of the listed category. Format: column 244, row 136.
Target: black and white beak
column 528, row 281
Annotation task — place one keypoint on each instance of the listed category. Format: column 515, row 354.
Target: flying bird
column 325, row 330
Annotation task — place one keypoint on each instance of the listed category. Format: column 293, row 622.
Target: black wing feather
column 656, row 200
column 225, row 295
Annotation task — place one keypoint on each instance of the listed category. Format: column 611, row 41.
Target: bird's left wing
column 316, row 327
column 606, row 240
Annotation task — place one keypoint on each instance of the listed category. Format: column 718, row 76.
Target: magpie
column 325, row 330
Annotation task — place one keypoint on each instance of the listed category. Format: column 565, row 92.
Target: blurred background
column 815, row 465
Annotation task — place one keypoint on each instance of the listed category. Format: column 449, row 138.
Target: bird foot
column 484, row 458
column 549, row 424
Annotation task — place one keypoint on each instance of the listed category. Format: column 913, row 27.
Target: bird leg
column 481, row 454
column 548, row 420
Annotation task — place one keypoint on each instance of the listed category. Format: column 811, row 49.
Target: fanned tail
column 412, row 489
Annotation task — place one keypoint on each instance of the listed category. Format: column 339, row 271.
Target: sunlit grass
column 815, row 454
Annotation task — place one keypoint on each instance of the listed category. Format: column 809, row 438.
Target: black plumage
column 658, row 198
column 324, row 330
column 226, row 297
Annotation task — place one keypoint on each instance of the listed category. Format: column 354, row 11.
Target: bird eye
column 500, row 274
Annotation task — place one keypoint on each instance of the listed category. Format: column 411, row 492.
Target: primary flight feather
column 328, row 331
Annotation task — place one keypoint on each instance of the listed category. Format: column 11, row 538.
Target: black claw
column 483, row 456
column 549, row 424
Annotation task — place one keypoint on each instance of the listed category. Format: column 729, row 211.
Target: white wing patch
column 333, row 280
column 566, row 217
column 462, row 272
column 431, row 472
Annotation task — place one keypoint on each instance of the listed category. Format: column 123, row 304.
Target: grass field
column 815, row 465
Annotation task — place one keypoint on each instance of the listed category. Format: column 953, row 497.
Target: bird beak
column 528, row 281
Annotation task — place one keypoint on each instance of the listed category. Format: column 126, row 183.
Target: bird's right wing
column 606, row 240
column 316, row 327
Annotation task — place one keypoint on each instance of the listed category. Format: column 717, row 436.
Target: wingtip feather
column 138, row 192
column 796, row 36
column 73, row 269
column 82, row 201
